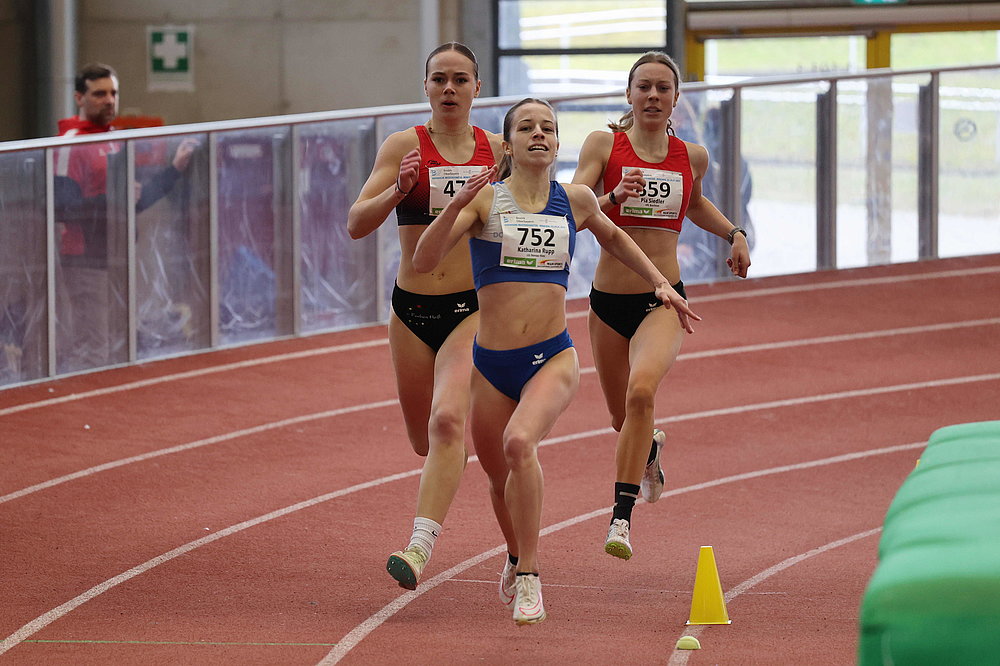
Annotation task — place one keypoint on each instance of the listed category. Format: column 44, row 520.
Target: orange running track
column 237, row 507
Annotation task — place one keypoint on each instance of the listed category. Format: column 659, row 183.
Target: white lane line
column 790, row 402
column 838, row 284
column 189, row 374
column 861, row 282
column 548, row 585
column 680, row 657
column 44, row 620
column 193, row 445
column 356, row 635
column 584, row 371
column 846, row 337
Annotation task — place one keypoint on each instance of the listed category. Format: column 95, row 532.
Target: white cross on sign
column 170, row 51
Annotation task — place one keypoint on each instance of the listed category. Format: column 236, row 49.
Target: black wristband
column 400, row 189
column 612, row 199
column 734, row 231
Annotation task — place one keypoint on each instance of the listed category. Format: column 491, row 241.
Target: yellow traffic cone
column 707, row 603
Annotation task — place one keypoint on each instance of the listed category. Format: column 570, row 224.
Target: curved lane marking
column 860, row 282
column 356, row 635
column 365, row 628
column 749, row 293
column 189, row 374
column 235, row 434
column 680, row 657
column 387, row 403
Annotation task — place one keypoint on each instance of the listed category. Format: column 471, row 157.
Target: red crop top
column 661, row 206
column 415, row 208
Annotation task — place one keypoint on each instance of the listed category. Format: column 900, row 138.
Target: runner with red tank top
column 438, row 179
column 434, row 316
column 651, row 180
column 663, row 202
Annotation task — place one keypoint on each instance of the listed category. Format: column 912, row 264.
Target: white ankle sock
column 425, row 533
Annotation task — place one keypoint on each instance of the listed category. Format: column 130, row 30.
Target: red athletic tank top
column 676, row 162
column 415, row 208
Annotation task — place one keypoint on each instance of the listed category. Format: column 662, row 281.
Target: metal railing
column 248, row 242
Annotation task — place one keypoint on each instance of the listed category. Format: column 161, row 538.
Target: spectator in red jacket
column 89, row 296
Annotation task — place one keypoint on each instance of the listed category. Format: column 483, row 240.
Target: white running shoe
column 617, row 543
column 528, row 608
column 508, row 583
column 407, row 565
column 652, row 479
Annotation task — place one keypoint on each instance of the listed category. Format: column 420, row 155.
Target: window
column 547, row 47
column 761, row 56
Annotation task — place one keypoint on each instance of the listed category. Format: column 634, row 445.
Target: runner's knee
column 518, row 449
column 639, row 400
column 447, row 426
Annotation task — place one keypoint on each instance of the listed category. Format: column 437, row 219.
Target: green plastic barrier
column 935, row 595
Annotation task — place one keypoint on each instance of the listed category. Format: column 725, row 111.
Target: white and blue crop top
column 515, row 246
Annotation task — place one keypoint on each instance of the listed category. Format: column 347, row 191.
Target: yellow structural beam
column 879, row 49
column 694, row 56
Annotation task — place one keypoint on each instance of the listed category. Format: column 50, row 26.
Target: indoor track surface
column 237, row 507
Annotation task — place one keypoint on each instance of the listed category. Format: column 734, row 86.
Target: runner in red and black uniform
column 434, row 315
column 649, row 180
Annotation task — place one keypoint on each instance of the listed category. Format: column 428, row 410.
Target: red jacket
column 81, row 185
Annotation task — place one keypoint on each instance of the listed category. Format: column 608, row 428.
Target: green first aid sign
column 170, row 60
column 170, row 50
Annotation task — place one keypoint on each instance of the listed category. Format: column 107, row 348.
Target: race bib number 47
column 660, row 199
column 445, row 182
column 535, row 242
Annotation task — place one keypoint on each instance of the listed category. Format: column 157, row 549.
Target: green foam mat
column 935, row 596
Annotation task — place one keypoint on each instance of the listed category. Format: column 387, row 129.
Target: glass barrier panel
column 254, row 224
column 969, row 164
column 779, row 148
column 697, row 118
column 23, row 273
column 878, row 135
column 339, row 276
column 172, row 245
column 345, row 283
column 388, row 236
column 852, row 174
column 577, row 120
column 91, row 255
column 905, row 177
column 490, row 118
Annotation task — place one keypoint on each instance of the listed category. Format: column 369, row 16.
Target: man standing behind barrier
column 88, row 295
